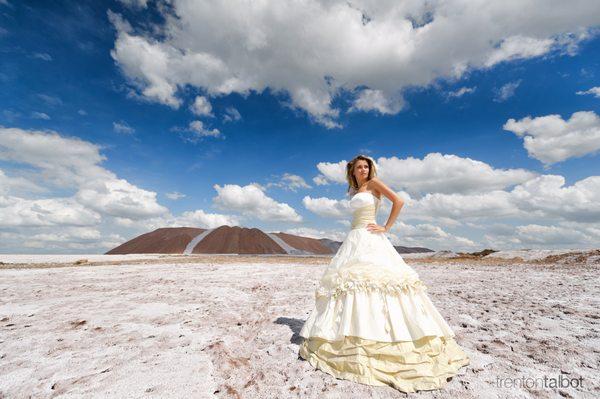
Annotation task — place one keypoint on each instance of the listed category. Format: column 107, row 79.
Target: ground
column 228, row 327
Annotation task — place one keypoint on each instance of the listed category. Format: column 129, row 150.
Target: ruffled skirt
column 374, row 323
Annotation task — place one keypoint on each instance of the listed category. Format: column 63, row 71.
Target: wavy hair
column 352, row 183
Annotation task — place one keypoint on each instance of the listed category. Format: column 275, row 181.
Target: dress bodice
column 364, row 206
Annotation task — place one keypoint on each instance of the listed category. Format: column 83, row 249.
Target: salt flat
column 216, row 328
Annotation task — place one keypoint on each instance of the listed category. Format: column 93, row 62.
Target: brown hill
column 237, row 240
column 160, row 241
column 231, row 240
column 305, row 244
column 411, row 250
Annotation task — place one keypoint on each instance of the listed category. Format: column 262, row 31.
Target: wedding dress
column 373, row 322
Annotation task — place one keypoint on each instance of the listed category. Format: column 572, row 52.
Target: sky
column 120, row 117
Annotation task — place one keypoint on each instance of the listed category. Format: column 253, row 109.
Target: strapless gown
column 373, row 322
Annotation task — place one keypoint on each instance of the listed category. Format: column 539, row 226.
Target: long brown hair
column 352, row 183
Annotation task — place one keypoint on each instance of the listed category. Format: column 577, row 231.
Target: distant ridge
column 231, row 240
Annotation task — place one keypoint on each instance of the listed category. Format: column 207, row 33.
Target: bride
column 373, row 322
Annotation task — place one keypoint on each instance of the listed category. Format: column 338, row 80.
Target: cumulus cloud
column 196, row 218
column 123, row 127
column 250, row 200
column 542, row 201
column 595, row 91
column 326, row 207
column 376, row 100
column 73, row 163
column 201, row 106
column 313, row 51
column 516, row 47
column 446, row 173
column 461, row 92
column 231, row 115
column 290, row 182
column 331, row 172
column 135, row 4
column 174, row 195
column 334, row 235
column 49, row 100
column 435, row 173
column 551, row 139
column 547, row 196
column 42, row 56
column 40, row 115
column 429, row 236
column 507, row 91
column 36, row 215
column 196, row 131
column 19, row 185
column 20, row 212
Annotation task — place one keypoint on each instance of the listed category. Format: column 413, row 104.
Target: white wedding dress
column 373, row 322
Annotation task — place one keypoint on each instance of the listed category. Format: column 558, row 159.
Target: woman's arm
column 397, row 203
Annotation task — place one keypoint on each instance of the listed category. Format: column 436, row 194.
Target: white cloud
column 175, row 195
column 123, row 127
column 290, row 182
column 461, row 92
column 544, row 198
column 71, row 163
column 459, row 207
column 376, row 100
column 118, row 197
column 551, row 139
column 198, row 128
column 40, row 115
column 20, row 212
column 135, row 4
column 250, row 200
column 93, row 218
column 595, row 91
column 42, row 56
column 309, row 232
column 19, row 185
column 313, row 51
column 320, row 180
column 201, row 107
column 82, row 112
column 327, row 207
column 331, row 172
column 542, row 201
column 435, row 173
column 507, row 91
column 196, row 131
column 547, row 197
column 519, row 47
column 446, row 173
column 196, row 218
column 231, row 115
column 548, row 235
column 428, row 236
column 49, row 100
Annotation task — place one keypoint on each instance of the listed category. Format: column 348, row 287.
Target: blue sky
column 92, row 71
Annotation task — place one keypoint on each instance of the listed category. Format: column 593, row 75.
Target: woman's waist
column 363, row 221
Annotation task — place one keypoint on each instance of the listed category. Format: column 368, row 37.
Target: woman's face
column 361, row 169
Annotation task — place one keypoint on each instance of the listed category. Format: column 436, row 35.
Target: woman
column 373, row 322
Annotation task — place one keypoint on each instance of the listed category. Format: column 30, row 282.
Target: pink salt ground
column 228, row 327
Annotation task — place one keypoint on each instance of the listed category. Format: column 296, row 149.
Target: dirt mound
column 237, row 240
column 305, row 244
column 412, row 250
column 160, row 241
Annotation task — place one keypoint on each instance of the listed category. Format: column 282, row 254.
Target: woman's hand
column 375, row 228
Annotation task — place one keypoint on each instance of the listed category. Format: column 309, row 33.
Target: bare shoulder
column 381, row 189
column 376, row 185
